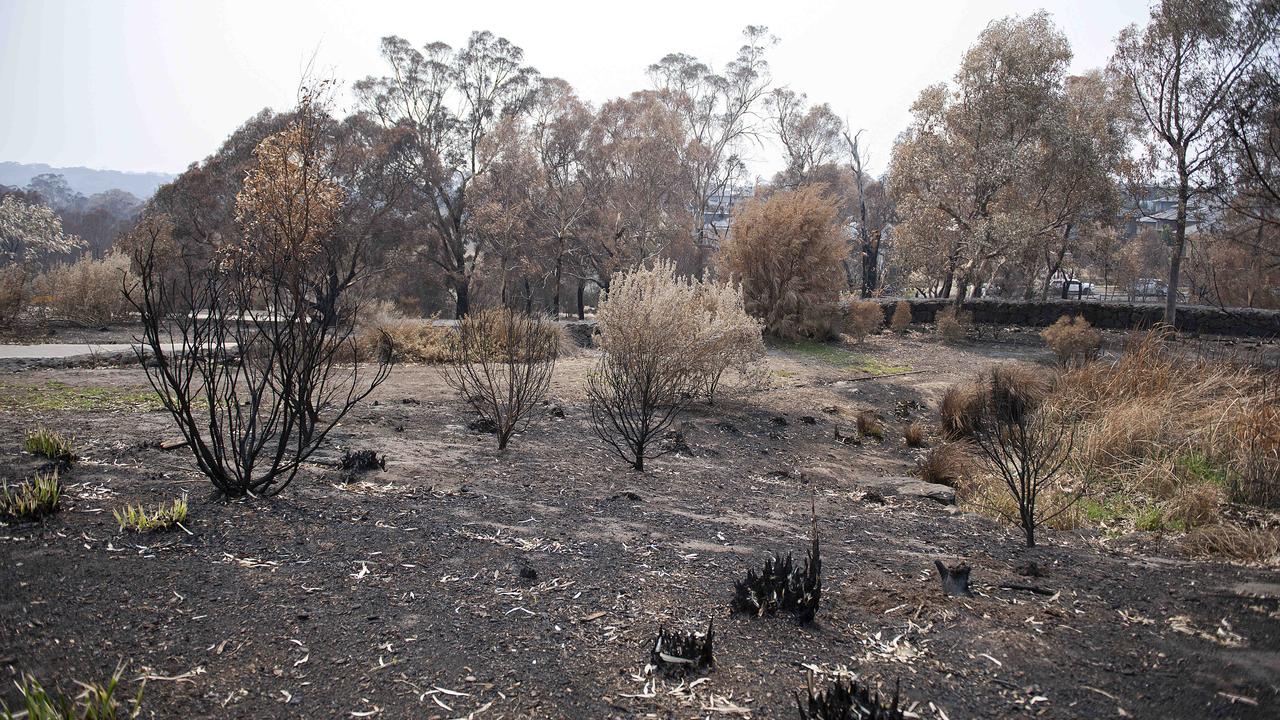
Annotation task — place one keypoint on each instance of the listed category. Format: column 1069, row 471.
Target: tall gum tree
column 447, row 104
column 1181, row 69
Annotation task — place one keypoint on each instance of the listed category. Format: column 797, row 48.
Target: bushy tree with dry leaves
column 235, row 347
column 651, row 328
column 787, row 251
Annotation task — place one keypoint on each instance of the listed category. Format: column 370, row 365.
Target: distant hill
column 86, row 181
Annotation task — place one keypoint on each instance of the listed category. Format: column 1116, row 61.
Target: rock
column 908, row 486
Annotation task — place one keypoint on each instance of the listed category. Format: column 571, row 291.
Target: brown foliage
column 947, row 464
column 787, row 251
column 863, row 318
column 960, row 409
column 1235, row 542
column 1073, row 340
column 870, row 425
column 87, row 290
column 953, row 325
column 914, row 435
column 901, row 319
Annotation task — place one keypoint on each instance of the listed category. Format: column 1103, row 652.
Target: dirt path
column 530, row 584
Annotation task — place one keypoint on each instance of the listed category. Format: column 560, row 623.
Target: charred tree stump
column 955, row 580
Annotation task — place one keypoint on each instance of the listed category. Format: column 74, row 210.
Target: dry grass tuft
column 870, row 425
column 947, row 464
column 961, row 409
column 1193, row 506
column 914, row 434
column 1235, row 542
column 1073, row 341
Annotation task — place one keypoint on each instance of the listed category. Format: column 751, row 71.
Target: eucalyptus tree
column 446, row 105
column 719, row 115
column 1181, row 69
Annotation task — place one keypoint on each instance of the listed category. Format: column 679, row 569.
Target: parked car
column 1074, row 287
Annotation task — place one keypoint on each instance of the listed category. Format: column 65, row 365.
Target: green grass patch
column 54, row 395
column 1200, row 469
column 838, row 356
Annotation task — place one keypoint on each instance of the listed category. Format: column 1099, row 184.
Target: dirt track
column 410, row 594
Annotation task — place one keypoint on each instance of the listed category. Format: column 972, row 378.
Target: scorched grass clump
column 782, row 586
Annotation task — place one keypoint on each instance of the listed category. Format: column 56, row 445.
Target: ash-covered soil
column 463, row 582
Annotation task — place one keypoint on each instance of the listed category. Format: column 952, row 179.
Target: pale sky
column 157, row 84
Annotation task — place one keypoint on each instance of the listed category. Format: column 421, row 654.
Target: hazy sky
column 157, row 84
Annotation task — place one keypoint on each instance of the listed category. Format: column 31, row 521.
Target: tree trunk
column 462, row 292
column 1179, row 243
column 582, row 309
column 555, row 298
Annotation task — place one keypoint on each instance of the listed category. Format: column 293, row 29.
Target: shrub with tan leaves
column 1073, row 340
column 862, row 318
column 901, row 319
column 787, row 251
column 952, row 325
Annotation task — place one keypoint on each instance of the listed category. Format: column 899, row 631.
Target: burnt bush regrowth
column 355, row 462
column 677, row 652
column 782, row 586
column 250, row 346
column 846, row 700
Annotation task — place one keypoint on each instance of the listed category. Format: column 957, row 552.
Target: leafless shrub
column 502, row 366
column 1026, row 449
column 862, row 318
column 1073, row 340
column 901, row 319
column 245, row 351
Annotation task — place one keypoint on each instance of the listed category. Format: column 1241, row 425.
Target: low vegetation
column 953, row 325
column 870, row 425
column 663, row 346
column 782, row 586
column 164, row 517
column 501, row 367
column 32, row 500
column 47, row 443
column 97, row 701
column 901, row 319
column 914, row 435
column 1073, row 340
column 947, row 464
column 862, row 318
column 677, row 652
column 846, row 699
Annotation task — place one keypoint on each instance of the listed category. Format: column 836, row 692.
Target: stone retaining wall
column 1200, row 319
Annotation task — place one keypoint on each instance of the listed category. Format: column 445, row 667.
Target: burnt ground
column 529, row 584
